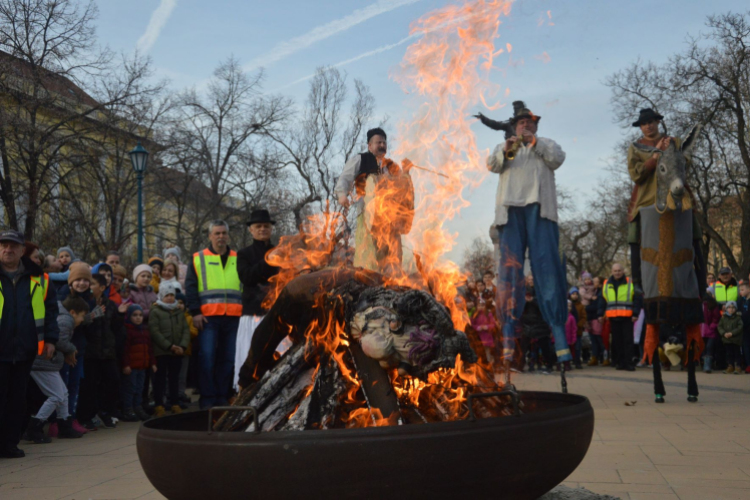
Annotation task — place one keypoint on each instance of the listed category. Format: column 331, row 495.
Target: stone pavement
column 677, row 450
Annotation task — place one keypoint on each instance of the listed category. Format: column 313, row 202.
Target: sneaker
column 89, row 425
column 129, row 416
column 642, row 364
column 176, row 409
column 107, row 420
column 140, row 413
column 159, row 411
column 53, row 430
column 737, row 370
column 747, row 369
column 545, row 371
column 79, row 428
column 730, row 369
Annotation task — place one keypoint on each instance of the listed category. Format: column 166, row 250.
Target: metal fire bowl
column 515, row 457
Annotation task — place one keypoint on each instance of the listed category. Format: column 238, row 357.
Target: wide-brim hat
column 521, row 111
column 647, row 115
column 257, row 216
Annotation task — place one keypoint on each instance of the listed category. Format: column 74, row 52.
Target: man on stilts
column 526, row 218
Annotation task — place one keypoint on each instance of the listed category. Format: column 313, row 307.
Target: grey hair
column 217, row 223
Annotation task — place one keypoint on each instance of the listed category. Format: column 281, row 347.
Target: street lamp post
column 139, row 159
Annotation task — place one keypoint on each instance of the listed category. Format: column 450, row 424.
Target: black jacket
column 102, row 333
column 534, row 326
column 254, row 272
column 637, row 299
column 18, row 340
column 191, row 283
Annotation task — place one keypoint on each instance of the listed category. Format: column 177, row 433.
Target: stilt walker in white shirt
column 254, row 273
column 526, row 218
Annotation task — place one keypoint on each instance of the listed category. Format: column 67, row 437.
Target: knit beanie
column 79, row 270
column 573, row 289
column 586, row 275
column 167, row 288
column 131, row 309
column 119, row 270
column 732, row 304
column 102, row 266
column 67, row 249
column 156, row 260
column 173, row 251
column 180, row 297
column 141, row 268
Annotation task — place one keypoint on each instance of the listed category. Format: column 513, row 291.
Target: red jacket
column 139, row 352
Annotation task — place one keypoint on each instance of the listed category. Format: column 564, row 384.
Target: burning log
column 364, row 354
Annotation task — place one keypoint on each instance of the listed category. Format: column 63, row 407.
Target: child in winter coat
column 141, row 291
column 138, row 357
column 46, row 374
column 571, row 333
column 182, row 300
column 582, row 322
column 730, row 330
column 170, row 334
column 483, row 323
column 709, row 329
column 157, row 264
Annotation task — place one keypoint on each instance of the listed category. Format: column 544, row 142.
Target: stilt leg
column 692, row 383
column 659, row 390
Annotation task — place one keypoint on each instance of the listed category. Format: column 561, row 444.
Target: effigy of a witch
column 671, row 288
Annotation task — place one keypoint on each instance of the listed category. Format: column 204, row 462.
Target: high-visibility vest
column 724, row 294
column 620, row 304
column 219, row 287
column 38, row 293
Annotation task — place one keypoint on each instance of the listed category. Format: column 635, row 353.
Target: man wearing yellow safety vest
column 621, row 305
column 726, row 288
column 214, row 297
column 28, row 327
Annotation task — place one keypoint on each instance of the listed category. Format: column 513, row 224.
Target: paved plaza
column 646, row 451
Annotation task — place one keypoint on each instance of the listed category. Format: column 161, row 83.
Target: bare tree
column 217, row 162
column 48, row 53
column 479, row 258
column 708, row 82
column 317, row 143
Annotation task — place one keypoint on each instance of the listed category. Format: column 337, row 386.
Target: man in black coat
column 254, row 273
column 21, row 335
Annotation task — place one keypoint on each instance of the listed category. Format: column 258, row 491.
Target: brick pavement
column 677, row 450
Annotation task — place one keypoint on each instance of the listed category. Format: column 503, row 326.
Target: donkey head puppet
column 670, row 171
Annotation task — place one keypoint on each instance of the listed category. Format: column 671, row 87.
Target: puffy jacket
column 168, row 328
column 534, row 326
column 66, row 324
column 143, row 297
column 79, row 334
column 711, row 316
column 102, row 333
column 483, row 322
column 139, row 351
column 731, row 324
column 592, row 308
column 571, row 329
column 18, row 338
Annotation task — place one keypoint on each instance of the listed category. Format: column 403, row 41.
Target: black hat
column 260, row 216
column 647, row 115
column 521, row 111
column 375, row 131
column 14, row 236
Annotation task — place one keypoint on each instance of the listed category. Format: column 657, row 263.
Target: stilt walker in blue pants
column 526, row 218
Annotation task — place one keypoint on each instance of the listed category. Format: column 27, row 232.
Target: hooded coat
column 63, row 346
column 731, row 324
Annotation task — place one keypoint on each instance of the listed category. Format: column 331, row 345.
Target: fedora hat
column 647, row 115
column 521, row 111
column 261, row 215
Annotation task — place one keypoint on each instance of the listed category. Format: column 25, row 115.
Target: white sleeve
column 550, row 152
column 346, row 179
column 496, row 159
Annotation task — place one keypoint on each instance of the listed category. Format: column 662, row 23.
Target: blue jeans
column 132, row 389
column 218, row 342
column 527, row 229
column 72, row 377
column 597, row 347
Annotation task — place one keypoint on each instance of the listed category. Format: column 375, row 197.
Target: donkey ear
column 689, row 142
column 647, row 149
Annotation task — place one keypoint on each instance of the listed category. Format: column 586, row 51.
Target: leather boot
column 730, row 369
column 35, row 432
column 66, row 430
column 593, row 361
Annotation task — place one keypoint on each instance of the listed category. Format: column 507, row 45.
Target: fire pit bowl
column 514, row 457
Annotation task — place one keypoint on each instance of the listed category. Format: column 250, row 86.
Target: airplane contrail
column 159, row 19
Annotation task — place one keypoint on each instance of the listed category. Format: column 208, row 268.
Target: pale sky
column 586, row 41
